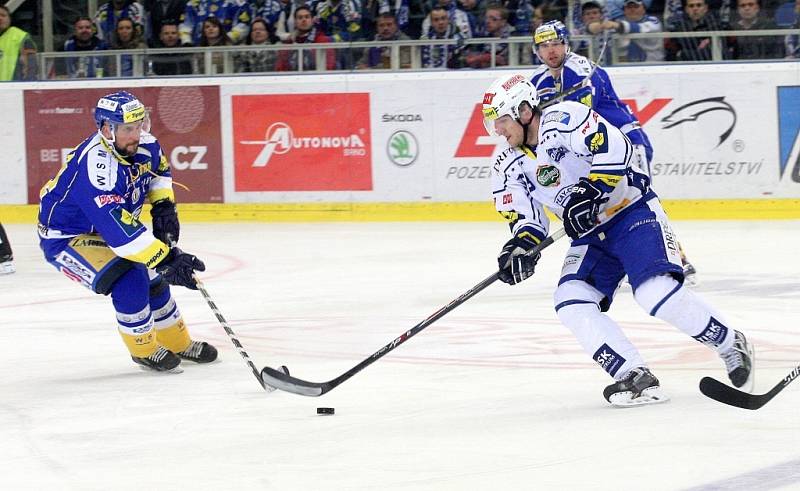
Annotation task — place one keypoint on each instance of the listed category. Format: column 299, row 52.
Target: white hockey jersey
column 574, row 142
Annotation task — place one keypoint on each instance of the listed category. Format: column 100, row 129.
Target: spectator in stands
column 520, row 15
column 107, row 16
column 593, row 22
column 697, row 18
column 475, row 11
column 261, row 34
column 340, row 20
column 400, row 10
column 197, row 11
column 126, row 37
column 442, row 56
column 170, row 63
column 495, row 26
column 749, row 17
column 160, row 12
column 458, row 18
column 305, row 32
column 284, row 27
column 214, row 35
column 84, row 39
column 17, row 51
column 615, row 9
column 637, row 20
column 267, row 10
column 381, row 56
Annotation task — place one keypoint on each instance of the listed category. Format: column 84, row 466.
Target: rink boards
column 407, row 146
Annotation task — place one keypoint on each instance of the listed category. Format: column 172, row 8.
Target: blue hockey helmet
column 553, row 30
column 120, row 108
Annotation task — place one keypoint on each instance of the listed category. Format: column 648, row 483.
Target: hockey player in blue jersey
column 572, row 161
column 89, row 229
column 562, row 70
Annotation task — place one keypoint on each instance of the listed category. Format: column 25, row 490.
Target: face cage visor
column 491, row 120
column 128, row 129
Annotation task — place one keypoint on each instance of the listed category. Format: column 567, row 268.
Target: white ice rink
column 496, row 395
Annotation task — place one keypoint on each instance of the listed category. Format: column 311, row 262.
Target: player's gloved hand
column 582, row 208
column 515, row 265
column 166, row 226
column 178, row 268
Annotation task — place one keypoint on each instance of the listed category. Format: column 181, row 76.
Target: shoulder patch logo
column 556, row 117
column 126, row 221
column 548, row 175
column 598, row 141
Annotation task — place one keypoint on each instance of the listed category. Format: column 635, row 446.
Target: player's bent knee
column 576, row 292
column 655, row 292
column 578, row 316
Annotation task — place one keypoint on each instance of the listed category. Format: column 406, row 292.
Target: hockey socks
column 666, row 299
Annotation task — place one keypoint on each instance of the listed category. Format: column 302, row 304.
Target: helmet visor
column 491, row 121
column 134, row 128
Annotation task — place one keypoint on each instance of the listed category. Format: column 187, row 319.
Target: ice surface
column 496, row 395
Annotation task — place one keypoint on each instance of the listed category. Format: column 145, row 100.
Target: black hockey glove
column 515, row 265
column 582, row 208
column 178, row 268
column 166, row 226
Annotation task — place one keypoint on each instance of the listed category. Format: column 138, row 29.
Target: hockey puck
column 325, row 410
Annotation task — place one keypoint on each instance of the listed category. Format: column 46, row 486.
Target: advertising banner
column 185, row 120
column 302, row 142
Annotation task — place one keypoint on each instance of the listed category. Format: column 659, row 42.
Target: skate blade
column 653, row 395
column 175, row 370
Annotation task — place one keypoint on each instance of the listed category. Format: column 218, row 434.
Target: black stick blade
column 731, row 396
column 286, row 382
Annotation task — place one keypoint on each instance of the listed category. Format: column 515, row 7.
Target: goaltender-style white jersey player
column 572, row 161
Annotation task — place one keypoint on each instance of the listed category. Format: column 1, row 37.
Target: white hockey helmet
column 505, row 97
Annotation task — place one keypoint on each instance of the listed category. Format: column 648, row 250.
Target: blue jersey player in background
column 562, row 69
column 89, row 229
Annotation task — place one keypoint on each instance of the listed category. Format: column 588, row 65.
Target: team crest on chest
column 548, row 175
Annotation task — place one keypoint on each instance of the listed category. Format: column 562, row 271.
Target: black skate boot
column 739, row 362
column 637, row 388
column 199, row 352
column 163, row 360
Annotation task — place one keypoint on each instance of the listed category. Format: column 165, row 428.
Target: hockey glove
column 166, row 226
column 515, row 265
column 178, row 268
column 582, row 208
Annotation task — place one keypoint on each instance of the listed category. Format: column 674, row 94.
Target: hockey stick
column 232, row 335
column 575, row 88
column 734, row 397
column 286, row 382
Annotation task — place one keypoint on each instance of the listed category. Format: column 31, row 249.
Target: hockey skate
column 7, row 264
column 199, row 352
column 739, row 362
column 163, row 360
column 639, row 387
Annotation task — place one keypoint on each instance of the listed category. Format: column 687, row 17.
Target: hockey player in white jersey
column 572, row 161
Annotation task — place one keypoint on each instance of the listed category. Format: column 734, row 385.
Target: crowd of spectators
column 126, row 24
